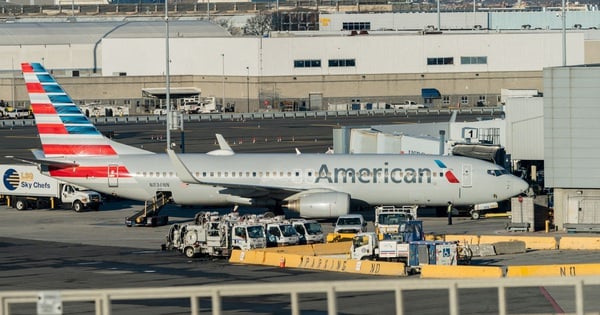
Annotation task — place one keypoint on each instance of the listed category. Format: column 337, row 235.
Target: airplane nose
column 519, row 185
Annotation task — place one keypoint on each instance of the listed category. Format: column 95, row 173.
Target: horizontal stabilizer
column 43, row 164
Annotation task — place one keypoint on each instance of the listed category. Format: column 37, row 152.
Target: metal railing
column 10, row 123
column 103, row 298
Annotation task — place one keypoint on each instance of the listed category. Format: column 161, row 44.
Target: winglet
column 224, row 148
column 182, row 171
column 223, row 143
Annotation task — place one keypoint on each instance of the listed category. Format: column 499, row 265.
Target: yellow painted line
column 566, row 270
column 579, row 242
column 497, row 215
column 531, row 242
column 447, row 272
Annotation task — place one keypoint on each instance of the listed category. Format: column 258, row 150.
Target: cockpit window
column 499, row 172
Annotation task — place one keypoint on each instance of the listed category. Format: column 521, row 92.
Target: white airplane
column 315, row 185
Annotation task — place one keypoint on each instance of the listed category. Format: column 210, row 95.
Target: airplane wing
column 249, row 191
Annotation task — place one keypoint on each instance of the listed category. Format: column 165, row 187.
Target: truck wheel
column 475, row 215
column 189, row 252
column 77, row 206
column 21, row 204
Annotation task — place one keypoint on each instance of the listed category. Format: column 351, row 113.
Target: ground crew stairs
column 149, row 216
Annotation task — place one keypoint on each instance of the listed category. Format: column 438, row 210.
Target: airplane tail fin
column 64, row 130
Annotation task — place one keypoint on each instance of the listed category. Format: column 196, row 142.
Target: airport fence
column 103, row 298
column 116, row 120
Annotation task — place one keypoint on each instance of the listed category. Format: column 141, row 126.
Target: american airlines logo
column 382, row 175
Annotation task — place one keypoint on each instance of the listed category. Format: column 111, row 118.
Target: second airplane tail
column 64, row 130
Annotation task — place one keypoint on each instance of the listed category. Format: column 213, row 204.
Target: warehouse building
column 113, row 60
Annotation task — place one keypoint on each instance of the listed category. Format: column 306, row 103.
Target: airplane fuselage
column 373, row 179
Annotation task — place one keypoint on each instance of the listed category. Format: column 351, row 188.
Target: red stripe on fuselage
column 45, row 129
column 43, row 109
column 78, row 149
column 35, row 87
column 90, row 172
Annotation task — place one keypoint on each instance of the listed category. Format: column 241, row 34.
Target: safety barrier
column 580, row 242
column 564, row 270
column 531, row 242
column 323, row 263
column 264, row 115
column 318, row 249
column 102, row 299
column 450, row 272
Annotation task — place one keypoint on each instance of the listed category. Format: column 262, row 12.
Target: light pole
column 248, row 88
column 223, row 80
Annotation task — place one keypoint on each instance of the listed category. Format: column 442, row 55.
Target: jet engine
column 321, row 205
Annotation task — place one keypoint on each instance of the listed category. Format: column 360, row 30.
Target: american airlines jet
column 315, row 185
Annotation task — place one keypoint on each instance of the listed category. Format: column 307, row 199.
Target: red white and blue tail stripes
column 64, row 129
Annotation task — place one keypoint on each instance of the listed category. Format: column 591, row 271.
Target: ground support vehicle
column 25, row 187
column 310, row 231
column 477, row 209
column 215, row 235
column 346, row 226
column 393, row 247
column 279, row 231
column 149, row 215
column 388, row 218
column 407, row 246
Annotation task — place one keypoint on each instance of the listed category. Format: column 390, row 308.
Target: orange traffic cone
column 282, row 262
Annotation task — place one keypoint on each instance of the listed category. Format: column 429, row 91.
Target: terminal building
column 369, row 57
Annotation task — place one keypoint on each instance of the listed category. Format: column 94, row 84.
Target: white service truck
column 215, row 235
column 388, row 218
column 25, row 187
column 310, row 231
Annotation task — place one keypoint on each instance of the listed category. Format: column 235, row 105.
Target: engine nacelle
column 321, row 205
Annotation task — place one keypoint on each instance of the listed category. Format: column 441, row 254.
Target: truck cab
column 281, row 234
column 309, row 231
column 248, row 236
column 350, row 223
column 78, row 198
column 388, row 218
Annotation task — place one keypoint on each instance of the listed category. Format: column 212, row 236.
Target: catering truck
column 25, row 187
